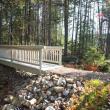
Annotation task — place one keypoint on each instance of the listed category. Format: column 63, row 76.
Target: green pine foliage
column 94, row 57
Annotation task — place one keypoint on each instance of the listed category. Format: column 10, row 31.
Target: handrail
column 52, row 54
column 32, row 54
column 27, row 47
column 25, row 54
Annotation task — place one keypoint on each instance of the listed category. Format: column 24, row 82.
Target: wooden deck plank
column 29, row 67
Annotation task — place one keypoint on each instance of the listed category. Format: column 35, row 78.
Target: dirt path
column 71, row 72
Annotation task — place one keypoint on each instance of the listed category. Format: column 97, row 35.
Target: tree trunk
column 92, row 36
column 84, row 28
column 66, row 7
column 0, row 23
column 29, row 21
column 108, row 42
column 49, row 26
column 10, row 29
column 25, row 23
column 72, row 48
column 37, row 24
column 43, row 23
column 76, row 35
column 100, row 29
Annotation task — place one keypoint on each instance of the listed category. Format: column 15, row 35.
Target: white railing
column 26, row 54
column 32, row 54
column 52, row 54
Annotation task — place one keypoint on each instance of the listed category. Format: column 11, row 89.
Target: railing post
column 40, row 58
column 11, row 54
column 60, row 57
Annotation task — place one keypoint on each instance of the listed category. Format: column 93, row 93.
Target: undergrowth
column 95, row 96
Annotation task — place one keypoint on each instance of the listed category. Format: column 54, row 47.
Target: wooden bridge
column 31, row 58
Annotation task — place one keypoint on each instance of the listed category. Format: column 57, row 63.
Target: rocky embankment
column 40, row 92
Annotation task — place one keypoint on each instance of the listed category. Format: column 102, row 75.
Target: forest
column 82, row 27
column 80, row 30
column 74, row 24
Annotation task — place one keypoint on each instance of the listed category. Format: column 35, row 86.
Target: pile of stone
column 43, row 92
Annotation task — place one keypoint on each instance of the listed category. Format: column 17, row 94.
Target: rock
column 108, row 103
column 58, row 89
column 22, row 92
column 17, row 88
column 74, row 86
column 61, row 81
column 44, row 95
column 66, row 92
column 70, row 80
column 44, row 105
column 70, row 86
column 29, row 96
column 50, row 84
column 48, row 77
column 39, row 100
column 48, row 93
column 59, row 98
column 24, row 85
column 39, row 106
column 59, row 94
column 35, row 89
column 29, row 87
column 44, row 81
column 57, row 104
column 16, row 101
column 33, row 101
column 46, row 101
column 78, row 83
column 21, row 97
column 45, row 87
column 8, row 99
column 26, row 103
column 80, row 88
column 73, row 91
column 19, row 108
column 50, row 108
column 37, row 82
column 8, row 107
column 55, row 76
column 52, row 98
column 32, row 82
column 55, row 82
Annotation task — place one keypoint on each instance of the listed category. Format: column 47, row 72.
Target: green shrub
column 93, row 97
column 93, row 57
column 104, row 68
column 67, row 59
